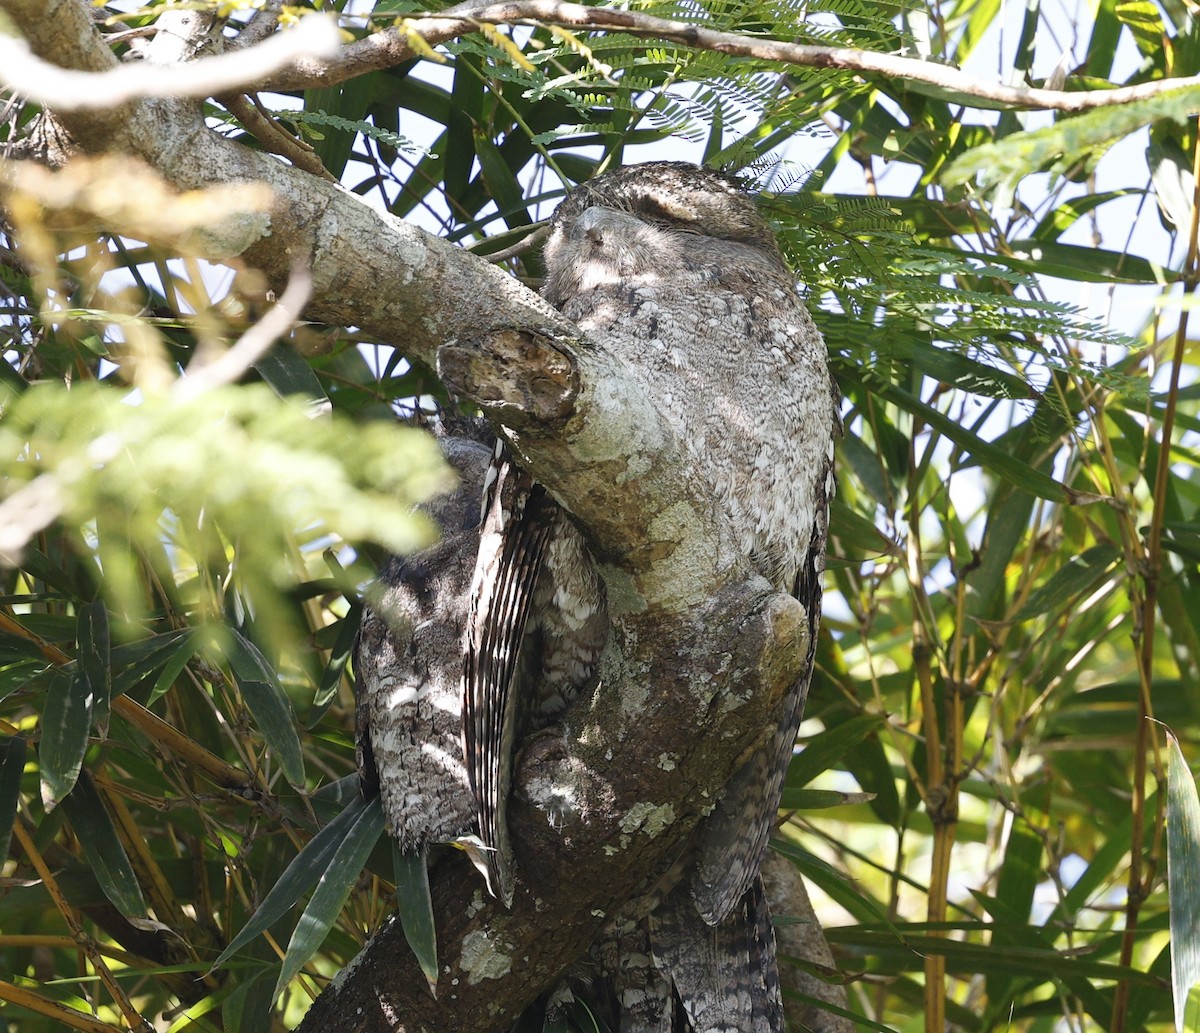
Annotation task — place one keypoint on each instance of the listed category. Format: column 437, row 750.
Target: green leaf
column 901, row 949
column 65, row 723
column 1146, row 26
column 1019, row 877
column 346, row 101
column 1085, row 264
column 995, row 458
column 248, row 1007
column 103, row 848
column 1106, row 33
column 416, row 909
column 1060, row 219
column 334, row 887
column 824, row 750
column 819, row 799
column 465, row 112
column 184, row 650
column 12, row 764
column 834, row 884
column 284, row 369
column 269, row 704
column 1183, row 867
column 1078, row 575
column 1191, row 1012
column 94, row 663
column 339, row 657
column 300, row 876
column 144, row 659
column 1069, row 140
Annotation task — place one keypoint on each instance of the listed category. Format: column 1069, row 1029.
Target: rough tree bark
column 701, row 650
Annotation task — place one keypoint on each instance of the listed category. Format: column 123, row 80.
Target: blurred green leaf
column 1079, row 575
column 1077, row 138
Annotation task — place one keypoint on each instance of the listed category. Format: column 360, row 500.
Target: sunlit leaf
column 65, row 725
column 1183, row 866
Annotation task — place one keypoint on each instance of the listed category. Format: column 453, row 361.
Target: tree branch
column 392, row 46
column 305, row 57
column 65, row 89
column 701, row 652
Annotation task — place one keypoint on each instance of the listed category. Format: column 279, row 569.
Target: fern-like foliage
column 308, row 119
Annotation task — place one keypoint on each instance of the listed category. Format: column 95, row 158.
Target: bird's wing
column 726, row 975
column 517, row 521
column 368, row 773
column 734, row 837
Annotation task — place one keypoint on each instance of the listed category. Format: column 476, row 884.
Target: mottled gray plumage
column 672, row 268
column 408, row 669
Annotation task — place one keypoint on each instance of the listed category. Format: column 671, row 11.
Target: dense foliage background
column 1014, row 584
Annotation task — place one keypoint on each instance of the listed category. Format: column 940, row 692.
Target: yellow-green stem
column 1144, row 734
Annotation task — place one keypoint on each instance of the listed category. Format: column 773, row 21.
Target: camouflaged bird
column 672, row 269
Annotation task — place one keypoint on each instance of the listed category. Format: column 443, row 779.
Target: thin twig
column 249, row 112
column 230, row 365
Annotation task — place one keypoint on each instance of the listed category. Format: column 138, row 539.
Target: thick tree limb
column 701, row 654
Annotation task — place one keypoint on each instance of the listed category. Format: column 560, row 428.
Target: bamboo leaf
column 1183, row 867
column 65, row 723
column 269, row 704
column 1191, row 1014
column 1060, row 219
column 339, row 657
column 287, row 373
column 416, row 909
column 816, row 871
column 301, row 875
column 820, row 799
column 94, row 645
column 334, row 887
column 12, row 764
column 103, row 848
column 996, row 458
column 824, row 750
column 1078, row 575
column 185, row 649
column 248, row 1008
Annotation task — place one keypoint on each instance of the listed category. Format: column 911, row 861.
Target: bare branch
column 253, row 344
column 383, row 49
column 69, row 90
column 255, row 120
